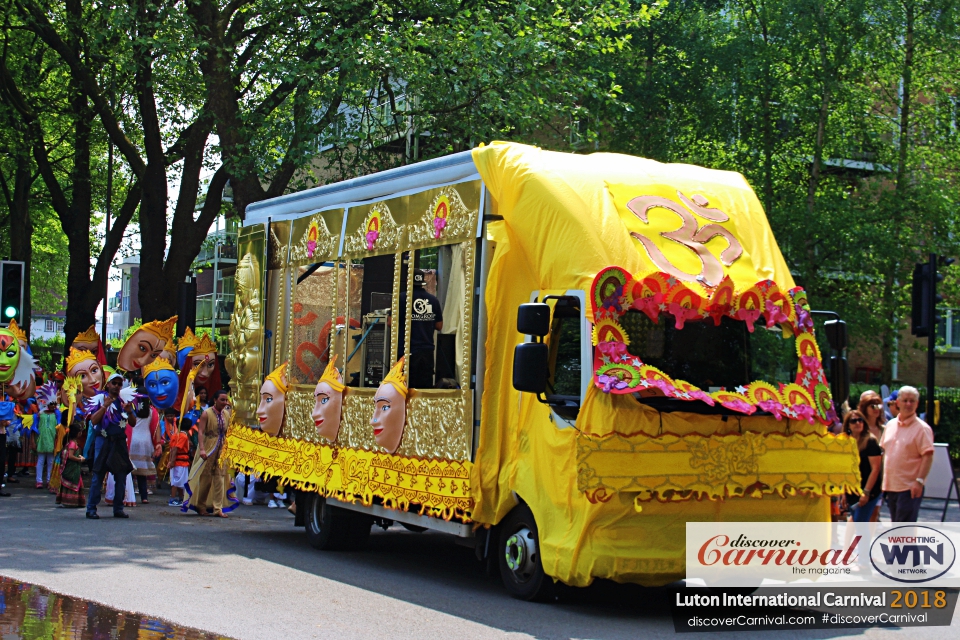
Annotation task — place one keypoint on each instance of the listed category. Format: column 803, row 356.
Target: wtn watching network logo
column 912, row 554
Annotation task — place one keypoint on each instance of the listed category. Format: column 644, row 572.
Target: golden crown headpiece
column 396, row 377
column 90, row 335
column 188, row 339
column 77, row 356
column 332, row 376
column 163, row 329
column 279, row 378
column 17, row 331
column 157, row 365
column 205, row 346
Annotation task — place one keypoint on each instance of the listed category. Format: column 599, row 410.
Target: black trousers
column 421, row 369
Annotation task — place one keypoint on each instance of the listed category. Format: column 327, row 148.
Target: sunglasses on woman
column 856, row 420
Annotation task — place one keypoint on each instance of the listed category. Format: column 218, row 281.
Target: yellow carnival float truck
column 559, row 358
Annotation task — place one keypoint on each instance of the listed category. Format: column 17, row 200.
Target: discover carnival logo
column 912, row 554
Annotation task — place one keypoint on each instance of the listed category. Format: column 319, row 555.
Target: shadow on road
column 425, row 569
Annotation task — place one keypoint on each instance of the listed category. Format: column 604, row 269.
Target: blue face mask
column 162, row 387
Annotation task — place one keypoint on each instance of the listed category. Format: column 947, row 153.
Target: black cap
column 419, row 278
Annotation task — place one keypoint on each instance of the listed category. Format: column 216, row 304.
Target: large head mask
column 328, row 403
column 162, row 383
column 146, row 344
column 84, row 366
column 273, row 395
column 390, row 412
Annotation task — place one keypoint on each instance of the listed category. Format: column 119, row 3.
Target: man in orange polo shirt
column 907, row 444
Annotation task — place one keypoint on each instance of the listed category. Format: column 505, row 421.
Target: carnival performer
column 144, row 446
column 106, row 412
column 46, row 439
column 179, row 461
column 70, row 412
column 206, row 474
column 71, row 482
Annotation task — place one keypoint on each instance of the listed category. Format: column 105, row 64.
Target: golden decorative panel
column 245, row 337
column 672, row 467
column 375, row 231
column 438, row 425
column 299, row 423
column 459, row 222
column 316, row 237
column 440, row 488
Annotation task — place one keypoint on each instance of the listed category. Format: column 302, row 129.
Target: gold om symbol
column 690, row 234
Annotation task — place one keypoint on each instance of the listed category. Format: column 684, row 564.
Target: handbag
column 118, row 461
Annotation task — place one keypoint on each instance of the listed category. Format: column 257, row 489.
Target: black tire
column 518, row 554
column 333, row 528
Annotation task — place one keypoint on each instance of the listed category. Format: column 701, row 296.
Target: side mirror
column 839, row 379
column 533, row 319
column 530, row 367
column 836, row 331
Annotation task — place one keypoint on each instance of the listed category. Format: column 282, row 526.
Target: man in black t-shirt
column 426, row 318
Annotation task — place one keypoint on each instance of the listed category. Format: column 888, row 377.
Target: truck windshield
column 711, row 356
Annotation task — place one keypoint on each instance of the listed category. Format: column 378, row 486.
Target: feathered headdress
column 279, row 378
column 157, row 365
column 17, row 331
column 396, row 377
column 332, row 376
column 76, row 356
column 46, row 394
column 163, row 329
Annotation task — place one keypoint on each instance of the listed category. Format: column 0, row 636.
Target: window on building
column 949, row 329
column 48, row 326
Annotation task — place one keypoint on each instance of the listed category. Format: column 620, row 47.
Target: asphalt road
column 254, row 576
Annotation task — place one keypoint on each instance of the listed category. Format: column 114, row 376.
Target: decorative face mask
column 206, row 370
column 91, row 377
column 140, row 350
column 270, row 411
column 9, row 355
column 329, row 401
column 273, row 394
column 146, row 344
column 162, row 384
column 390, row 412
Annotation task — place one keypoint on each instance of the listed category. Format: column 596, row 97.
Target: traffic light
column 11, row 291
column 923, row 314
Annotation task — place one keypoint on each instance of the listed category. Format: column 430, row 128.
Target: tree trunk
column 21, row 231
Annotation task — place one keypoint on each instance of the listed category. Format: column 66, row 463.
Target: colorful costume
column 71, row 482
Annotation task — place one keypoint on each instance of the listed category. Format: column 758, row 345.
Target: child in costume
column 46, row 443
column 71, row 483
column 180, row 457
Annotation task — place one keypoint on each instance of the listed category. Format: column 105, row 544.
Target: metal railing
column 207, row 305
column 219, row 245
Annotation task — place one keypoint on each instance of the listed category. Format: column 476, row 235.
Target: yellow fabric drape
column 560, row 227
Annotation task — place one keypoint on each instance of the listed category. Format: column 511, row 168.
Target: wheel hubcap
column 520, row 552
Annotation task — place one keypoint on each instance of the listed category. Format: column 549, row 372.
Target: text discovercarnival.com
column 790, row 575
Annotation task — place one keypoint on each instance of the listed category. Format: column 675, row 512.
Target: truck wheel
column 519, row 555
column 329, row 528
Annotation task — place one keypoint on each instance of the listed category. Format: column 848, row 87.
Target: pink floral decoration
column 311, row 248
column 649, row 305
column 372, row 239
column 749, row 316
column 682, row 314
column 439, row 224
column 613, row 350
